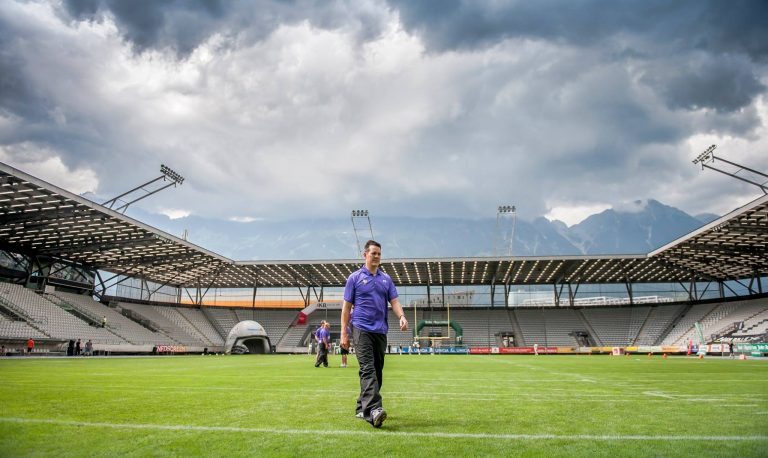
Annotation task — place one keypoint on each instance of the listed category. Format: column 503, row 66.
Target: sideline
column 304, row 432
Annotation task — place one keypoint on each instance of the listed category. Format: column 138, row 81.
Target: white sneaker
column 343, row 365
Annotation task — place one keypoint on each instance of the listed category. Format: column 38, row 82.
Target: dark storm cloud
column 183, row 25
column 731, row 36
column 36, row 113
column 724, row 83
column 179, row 24
column 17, row 94
column 541, row 104
column 709, row 25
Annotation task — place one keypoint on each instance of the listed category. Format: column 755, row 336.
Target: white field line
column 661, row 395
column 346, row 432
column 738, row 405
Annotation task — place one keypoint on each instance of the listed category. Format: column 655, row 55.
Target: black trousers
column 370, row 348
column 322, row 355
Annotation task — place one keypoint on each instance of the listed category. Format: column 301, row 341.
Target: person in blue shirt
column 322, row 335
column 368, row 290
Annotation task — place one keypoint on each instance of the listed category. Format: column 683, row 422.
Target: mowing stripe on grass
column 586, row 397
column 346, row 432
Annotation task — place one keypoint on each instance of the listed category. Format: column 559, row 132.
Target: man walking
column 322, row 335
column 369, row 290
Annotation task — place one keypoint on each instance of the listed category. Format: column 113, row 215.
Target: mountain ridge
column 637, row 228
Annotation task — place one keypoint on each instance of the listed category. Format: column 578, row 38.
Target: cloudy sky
column 279, row 109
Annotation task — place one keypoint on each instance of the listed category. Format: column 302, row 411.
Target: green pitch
column 437, row 405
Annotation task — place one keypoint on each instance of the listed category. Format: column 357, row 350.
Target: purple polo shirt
column 370, row 294
column 322, row 334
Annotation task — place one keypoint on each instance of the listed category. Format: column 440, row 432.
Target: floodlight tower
column 709, row 156
column 505, row 211
column 167, row 174
column 361, row 214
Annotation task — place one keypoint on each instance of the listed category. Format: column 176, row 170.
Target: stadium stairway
column 200, row 321
column 222, row 318
column 164, row 325
column 290, row 342
column 519, row 337
column 17, row 315
column 590, row 329
column 17, row 329
column 673, row 324
column 52, row 319
column 84, row 314
column 706, row 313
column 657, row 320
column 188, row 331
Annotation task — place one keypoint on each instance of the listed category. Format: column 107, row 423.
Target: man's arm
column 346, row 307
column 398, row 309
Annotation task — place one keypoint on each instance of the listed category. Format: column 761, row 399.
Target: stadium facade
column 72, row 268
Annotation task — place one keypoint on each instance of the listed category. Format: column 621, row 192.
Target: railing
column 598, row 300
column 20, row 313
column 84, row 314
column 138, row 318
column 13, row 311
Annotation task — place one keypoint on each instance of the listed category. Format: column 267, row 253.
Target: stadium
column 66, row 260
column 692, row 312
column 618, row 308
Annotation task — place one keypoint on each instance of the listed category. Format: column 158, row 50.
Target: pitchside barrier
column 717, row 349
column 754, row 349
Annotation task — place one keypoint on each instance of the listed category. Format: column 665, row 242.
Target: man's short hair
column 371, row 242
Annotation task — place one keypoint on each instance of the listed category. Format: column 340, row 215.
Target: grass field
column 437, row 405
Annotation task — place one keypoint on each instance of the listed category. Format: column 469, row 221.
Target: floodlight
column 170, row 173
column 360, row 214
column 134, row 195
column 706, row 155
column 505, row 210
column 756, row 177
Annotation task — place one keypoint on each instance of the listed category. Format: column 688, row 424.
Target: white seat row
column 611, row 326
column 52, row 319
column 123, row 326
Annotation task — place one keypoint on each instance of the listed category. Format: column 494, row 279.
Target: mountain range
column 634, row 229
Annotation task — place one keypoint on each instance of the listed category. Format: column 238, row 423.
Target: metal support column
column 628, row 285
column 253, row 301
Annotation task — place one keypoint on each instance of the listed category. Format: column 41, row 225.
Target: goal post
column 448, row 323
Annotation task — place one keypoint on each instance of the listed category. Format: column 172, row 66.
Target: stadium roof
column 39, row 219
column 730, row 247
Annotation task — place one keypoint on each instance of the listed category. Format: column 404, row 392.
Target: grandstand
column 63, row 257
